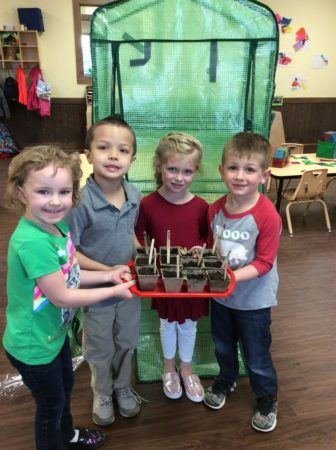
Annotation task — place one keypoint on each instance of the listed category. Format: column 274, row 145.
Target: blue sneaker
column 265, row 416
column 215, row 395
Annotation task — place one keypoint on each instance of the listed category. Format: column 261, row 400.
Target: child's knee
column 167, row 327
column 188, row 328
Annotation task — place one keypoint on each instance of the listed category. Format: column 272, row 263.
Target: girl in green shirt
column 43, row 290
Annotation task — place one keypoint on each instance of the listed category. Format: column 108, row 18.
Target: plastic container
column 326, row 149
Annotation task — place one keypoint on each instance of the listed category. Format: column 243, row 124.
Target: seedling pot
column 217, row 283
column 142, row 252
column 212, row 263
column 163, row 260
column 171, row 282
column 208, row 254
column 141, row 261
column 188, row 262
column 196, row 280
column 147, row 277
column 173, row 250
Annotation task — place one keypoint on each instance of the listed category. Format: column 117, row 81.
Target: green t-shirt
column 36, row 328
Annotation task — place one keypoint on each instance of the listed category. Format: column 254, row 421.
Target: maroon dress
column 188, row 227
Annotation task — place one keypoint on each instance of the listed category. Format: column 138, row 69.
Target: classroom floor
column 303, row 350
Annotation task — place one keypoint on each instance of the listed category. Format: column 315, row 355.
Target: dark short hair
column 116, row 120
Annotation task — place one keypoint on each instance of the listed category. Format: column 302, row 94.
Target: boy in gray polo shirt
column 102, row 228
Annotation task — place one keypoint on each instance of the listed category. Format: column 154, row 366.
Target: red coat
column 22, row 85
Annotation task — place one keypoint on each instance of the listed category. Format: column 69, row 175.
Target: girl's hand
column 122, row 290
column 119, row 274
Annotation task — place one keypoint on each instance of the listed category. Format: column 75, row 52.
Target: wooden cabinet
column 18, row 47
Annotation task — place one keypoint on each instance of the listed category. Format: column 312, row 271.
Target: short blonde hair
column 37, row 158
column 246, row 144
column 176, row 143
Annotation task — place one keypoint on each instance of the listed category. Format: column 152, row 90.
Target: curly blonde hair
column 37, row 158
column 176, row 143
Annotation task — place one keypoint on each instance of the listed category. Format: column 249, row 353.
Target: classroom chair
column 277, row 139
column 311, row 188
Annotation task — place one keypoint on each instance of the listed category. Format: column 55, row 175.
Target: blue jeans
column 51, row 385
column 252, row 329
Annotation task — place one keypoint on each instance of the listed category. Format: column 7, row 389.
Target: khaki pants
column 111, row 334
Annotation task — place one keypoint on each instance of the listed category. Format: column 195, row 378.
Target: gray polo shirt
column 101, row 231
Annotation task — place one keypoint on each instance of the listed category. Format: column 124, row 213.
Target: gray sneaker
column 102, row 410
column 215, row 395
column 128, row 401
column 265, row 416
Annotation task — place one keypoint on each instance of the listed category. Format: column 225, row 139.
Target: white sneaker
column 128, row 401
column 102, row 410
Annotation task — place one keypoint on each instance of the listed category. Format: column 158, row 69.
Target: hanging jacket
column 22, row 84
column 33, row 101
column 4, row 109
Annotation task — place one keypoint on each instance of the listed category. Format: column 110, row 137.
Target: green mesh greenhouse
column 205, row 67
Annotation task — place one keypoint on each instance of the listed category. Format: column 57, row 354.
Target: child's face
column 47, row 196
column 111, row 152
column 177, row 173
column 243, row 175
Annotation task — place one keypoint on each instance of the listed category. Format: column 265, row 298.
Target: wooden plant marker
column 200, row 256
column 151, row 252
column 146, row 241
column 168, row 246
column 215, row 244
column 154, row 262
column 225, row 264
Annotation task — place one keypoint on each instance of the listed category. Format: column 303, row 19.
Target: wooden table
column 296, row 166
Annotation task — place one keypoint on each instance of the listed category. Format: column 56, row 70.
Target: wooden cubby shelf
column 18, row 48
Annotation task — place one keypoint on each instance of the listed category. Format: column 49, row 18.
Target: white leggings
column 184, row 334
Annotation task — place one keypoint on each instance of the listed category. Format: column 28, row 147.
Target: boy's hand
column 122, row 290
column 119, row 274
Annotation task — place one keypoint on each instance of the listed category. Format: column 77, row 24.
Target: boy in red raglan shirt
column 247, row 228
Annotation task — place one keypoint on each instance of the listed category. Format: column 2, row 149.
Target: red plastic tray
column 160, row 290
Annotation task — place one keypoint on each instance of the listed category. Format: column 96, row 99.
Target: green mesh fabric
column 148, row 355
column 204, row 67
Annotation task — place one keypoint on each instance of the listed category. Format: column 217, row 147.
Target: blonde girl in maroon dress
column 173, row 207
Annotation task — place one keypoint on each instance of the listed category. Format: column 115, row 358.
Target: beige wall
column 57, row 51
column 318, row 19
column 56, row 44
